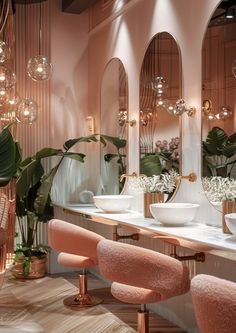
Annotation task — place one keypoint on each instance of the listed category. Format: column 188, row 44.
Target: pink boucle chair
column 141, row 276
column 77, row 247
column 214, row 302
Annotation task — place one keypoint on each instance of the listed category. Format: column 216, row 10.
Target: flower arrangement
column 219, row 188
column 163, row 183
column 171, row 147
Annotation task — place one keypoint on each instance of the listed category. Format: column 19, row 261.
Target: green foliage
column 119, row 144
column 9, row 156
column 33, row 186
column 219, row 153
column 150, row 165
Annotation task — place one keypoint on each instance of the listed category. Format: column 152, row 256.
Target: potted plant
column 219, row 158
column 33, row 205
column 155, row 188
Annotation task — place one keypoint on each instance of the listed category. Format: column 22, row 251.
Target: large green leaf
column 48, row 152
column 109, row 157
column 70, row 143
column 150, row 165
column 215, row 142
column 117, row 142
column 25, row 176
column 43, row 191
column 7, row 156
column 75, row 156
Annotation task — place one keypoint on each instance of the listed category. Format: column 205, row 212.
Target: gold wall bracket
column 131, row 123
column 191, row 111
column 192, row 177
column 198, row 256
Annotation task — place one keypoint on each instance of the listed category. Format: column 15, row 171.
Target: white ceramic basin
column 230, row 220
column 173, row 214
column 113, row 203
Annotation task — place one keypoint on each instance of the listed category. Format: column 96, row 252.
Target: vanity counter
column 193, row 235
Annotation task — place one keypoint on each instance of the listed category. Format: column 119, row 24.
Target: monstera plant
column 219, row 153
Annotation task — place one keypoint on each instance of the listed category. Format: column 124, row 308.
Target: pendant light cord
column 40, row 26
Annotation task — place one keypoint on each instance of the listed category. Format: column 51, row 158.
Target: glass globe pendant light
column 234, row 67
column 4, row 51
column 7, row 77
column 39, row 67
column 27, row 111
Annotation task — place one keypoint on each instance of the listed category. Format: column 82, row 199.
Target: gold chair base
column 82, row 301
column 143, row 322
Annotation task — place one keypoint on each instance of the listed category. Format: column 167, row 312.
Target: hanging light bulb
column 159, row 84
column 146, row 116
column 3, row 96
column 4, row 51
column 39, row 68
column 27, row 111
column 161, row 102
column 234, row 67
column 170, row 108
column 7, row 77
column 225, row 113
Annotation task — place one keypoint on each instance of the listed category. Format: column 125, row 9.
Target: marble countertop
column 205, row 238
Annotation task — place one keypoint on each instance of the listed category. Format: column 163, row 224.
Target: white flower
column 163, row 183
column 219, row 188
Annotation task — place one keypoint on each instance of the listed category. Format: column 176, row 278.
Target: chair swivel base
column 81, row 301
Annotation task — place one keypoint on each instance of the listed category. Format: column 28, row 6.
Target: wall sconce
column 180, row 107
column 90, row 124
column 225, row 111
column 131, row 123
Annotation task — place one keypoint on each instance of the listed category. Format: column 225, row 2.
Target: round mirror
column 114, row 112
column 160, row 88
column 218, row 105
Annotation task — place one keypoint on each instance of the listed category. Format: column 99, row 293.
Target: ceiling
column 76, row 6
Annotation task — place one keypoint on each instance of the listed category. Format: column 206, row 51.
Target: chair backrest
column 144, row 268
column 66, row 237
column 214, row 302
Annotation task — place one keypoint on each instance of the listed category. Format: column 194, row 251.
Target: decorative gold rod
column 192, row 177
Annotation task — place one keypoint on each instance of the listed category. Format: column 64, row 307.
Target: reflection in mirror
column 160, row 88
column 219, row 102
column 114, row 112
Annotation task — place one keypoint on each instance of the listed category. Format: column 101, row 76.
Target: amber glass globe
column 39, row 68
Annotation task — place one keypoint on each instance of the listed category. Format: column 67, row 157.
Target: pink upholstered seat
column 141, row 275
column 214, row 302
column 77, row 247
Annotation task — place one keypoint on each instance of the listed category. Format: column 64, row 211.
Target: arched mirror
column 114, row 112
column 160, row 88
column 219, row 105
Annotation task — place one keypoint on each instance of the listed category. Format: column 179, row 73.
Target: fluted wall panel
column 27, row 26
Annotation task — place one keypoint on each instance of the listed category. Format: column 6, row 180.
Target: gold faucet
column 127, row 175
column 191, row 177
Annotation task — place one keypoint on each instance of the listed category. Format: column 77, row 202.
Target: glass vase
column 228, row 207
column 150, row 198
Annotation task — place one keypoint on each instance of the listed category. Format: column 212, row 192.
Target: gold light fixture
column 180, row 107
